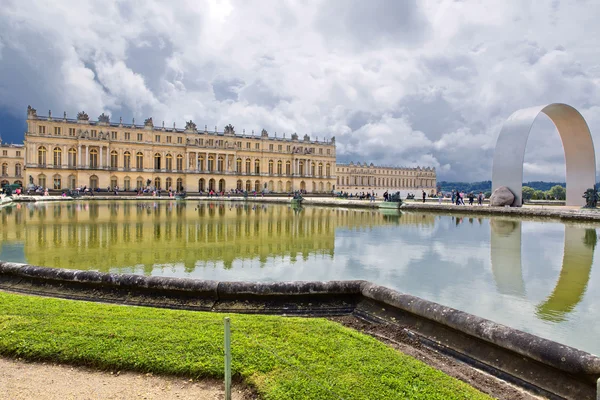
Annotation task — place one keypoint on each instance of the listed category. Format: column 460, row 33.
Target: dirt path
column 23, row 380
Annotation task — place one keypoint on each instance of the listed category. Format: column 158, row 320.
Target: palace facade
column 369, row 178
column 68, row 153
column 62, row 153
column 11, row 163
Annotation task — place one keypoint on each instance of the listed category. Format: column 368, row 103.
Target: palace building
column 69, row 153
column 62, row 153
column 370, row 178
column 11, row 163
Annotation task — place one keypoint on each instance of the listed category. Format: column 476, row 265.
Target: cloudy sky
column 426, row 82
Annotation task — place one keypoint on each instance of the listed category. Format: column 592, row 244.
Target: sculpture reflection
column 578, row 256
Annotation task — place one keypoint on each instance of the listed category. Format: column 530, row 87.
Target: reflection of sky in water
column 441, row 258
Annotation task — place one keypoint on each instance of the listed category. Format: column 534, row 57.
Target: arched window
column 126, row 183
column 157, row 160
column 93, row 182
column 248, row 185
column 312, row 169
column 94, row 158
column 220, row 162
column 211, row 163
column 57, row 156
column 239, row 182
column 301, row 168
column 248, row 166
column 200, row 162
column 42, row 157
column 139, row 182
column 113, row 182
column 279, row 167
column 4, row 169
column 72, row 182
column 270, row 167
column 42, row 180
column 169, row 164
column 179, row 185
column 139, row 161
column 238, row 167
column 127, row 160
column 179, row 165
column 18, row 169
column 169, row 184
column 72, row 158
column 328, row 170
column 114, row 161
column 57, row 182
column 157, row 183
column 320, row 170
column 257, row 186
column 288, row 167
column 257, row 166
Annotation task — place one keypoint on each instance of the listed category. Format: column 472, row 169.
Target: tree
column 557, row 192
column 538, row 195
column 528, row 193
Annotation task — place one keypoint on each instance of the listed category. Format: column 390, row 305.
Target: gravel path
column 43, row 381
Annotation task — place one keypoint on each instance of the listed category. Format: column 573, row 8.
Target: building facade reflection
column 116, row 236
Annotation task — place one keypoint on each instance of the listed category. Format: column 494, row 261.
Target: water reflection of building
column 574, row 275
column 102, row 236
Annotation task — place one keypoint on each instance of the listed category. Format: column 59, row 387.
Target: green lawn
column 283, row 358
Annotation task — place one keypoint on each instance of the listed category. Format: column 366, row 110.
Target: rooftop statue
column 82, row 116
column 229, row 129
column 31, row 112
column 104, row 118
column 148, row 122
column 190, row 126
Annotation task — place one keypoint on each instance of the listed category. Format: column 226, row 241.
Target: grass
column 283, row 358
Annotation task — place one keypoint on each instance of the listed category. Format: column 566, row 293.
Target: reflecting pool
column 539, row 277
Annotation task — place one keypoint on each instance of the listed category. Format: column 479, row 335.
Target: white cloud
column 417, row 82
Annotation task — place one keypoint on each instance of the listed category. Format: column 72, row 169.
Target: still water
column 540, row 277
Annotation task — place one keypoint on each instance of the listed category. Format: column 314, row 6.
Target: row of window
column 169, row 139
column 383, row 172
column 381, row 182
column 17, row 153
column 169, row 184
column 18, row 169
column 313, row 168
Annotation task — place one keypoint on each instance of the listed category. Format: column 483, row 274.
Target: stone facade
column 11, row 163
column 353, row 178
column 67, row 153
column 62, row 153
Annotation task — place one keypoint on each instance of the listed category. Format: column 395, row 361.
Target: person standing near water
column 424, row 196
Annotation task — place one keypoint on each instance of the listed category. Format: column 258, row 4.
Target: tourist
column 480, row 198
column 424, row 196
column 440, row 195
column 453, row 197
column 471, row 197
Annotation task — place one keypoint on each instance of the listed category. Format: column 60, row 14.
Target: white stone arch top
column 580, row 158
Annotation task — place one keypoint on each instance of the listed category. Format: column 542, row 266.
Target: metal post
column 227, row 359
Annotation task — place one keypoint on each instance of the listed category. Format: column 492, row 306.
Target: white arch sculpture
column 580, row 158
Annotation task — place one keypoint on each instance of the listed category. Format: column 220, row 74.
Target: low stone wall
column 540, row 365
column 536, row 211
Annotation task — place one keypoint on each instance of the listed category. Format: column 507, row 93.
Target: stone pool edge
column 537, row 211
column 539, row 365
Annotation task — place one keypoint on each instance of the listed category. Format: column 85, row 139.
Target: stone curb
column 576, row 365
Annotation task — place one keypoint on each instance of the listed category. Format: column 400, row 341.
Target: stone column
column 87, row 156
column 101, row 160
column 79, row 157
